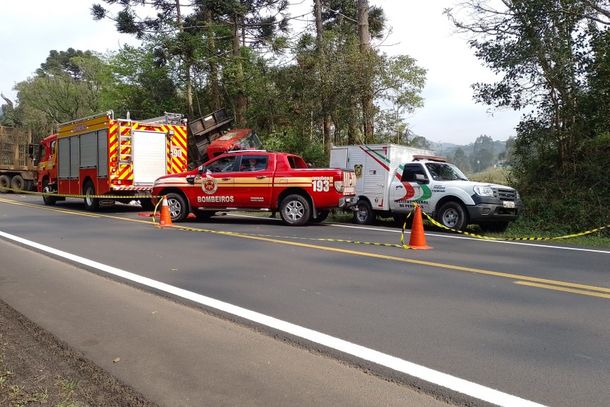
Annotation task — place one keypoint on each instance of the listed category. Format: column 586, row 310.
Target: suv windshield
column 445, row 172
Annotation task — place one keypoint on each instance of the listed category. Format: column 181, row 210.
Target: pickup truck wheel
column 364, row 215
column 295, row 210
column 18, row 183
column 5, row 183
column 91, row 204
column 322, row 215
column 453, row 215
column 494, row 227
column 48, row 200
column 178, row 209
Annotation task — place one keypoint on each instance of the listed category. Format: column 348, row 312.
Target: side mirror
column 190, row 179
column 201, row 169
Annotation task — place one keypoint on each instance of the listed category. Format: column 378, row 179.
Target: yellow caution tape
column 588, row 232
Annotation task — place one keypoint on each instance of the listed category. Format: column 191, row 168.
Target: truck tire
column 91, row 204
column 364, row 215
column 322, row 215
column 452, row 215
column 48, row 200
column 17, row 183
column 178, row 209
column 295, row 210
column 5, row 183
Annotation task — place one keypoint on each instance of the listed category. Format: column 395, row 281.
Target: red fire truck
column 257, row 180
column 101, row 155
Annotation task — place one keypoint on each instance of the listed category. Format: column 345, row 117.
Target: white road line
column 400, row 365
column 449, row 236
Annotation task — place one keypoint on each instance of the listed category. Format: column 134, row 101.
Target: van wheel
column 91, row 204
column 295, row 210
column 452, row 215
column 48, row 200
column 364, row 215
column 5, row 183
column 18, row 183
column 178, row 209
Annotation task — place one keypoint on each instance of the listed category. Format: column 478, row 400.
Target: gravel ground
column 38, row 369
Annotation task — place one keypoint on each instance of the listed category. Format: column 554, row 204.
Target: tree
column 67, row 86
column 552, row 59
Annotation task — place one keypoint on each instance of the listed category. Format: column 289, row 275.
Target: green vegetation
column 328, row 84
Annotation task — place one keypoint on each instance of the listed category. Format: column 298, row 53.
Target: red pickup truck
column 257, row 180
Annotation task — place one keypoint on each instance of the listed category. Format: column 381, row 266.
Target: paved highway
column 530, row 321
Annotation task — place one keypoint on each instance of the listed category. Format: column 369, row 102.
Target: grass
column 517, row 229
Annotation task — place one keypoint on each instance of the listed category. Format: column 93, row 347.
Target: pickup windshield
column 445, row 172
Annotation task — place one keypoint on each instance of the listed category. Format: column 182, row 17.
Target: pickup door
column 409, row 188
column 253, row 183
column 217, row 184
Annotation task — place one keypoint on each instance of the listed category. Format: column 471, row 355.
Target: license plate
column 508, row 204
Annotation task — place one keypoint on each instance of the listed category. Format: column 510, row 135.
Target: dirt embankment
column 37, row 369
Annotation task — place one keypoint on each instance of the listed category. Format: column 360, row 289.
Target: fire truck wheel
column 322, row 215
column 48, row 200
column 178, row 210
column 91, row 204
column 364, row 215
column 453, row 215
column 5, row 183
column 17, row 183
column 295, row 210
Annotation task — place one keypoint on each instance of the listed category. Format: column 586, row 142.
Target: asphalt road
column 528, row 320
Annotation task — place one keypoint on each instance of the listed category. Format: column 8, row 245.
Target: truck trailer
column 17, row 168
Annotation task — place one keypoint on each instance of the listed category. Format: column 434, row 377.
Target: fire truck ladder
column 125, row 141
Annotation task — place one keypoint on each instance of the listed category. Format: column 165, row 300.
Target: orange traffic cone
column 418, row 239
column 166, row 219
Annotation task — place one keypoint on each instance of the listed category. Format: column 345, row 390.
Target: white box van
column 391, row 177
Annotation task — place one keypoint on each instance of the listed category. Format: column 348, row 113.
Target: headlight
column 484, row 190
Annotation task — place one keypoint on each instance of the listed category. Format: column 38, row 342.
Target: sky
column 30, row 29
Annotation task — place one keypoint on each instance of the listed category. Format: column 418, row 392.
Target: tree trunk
column 187, row 67
column 365, row 49
column 326, row 121
column 240, row 98
column 214, row 83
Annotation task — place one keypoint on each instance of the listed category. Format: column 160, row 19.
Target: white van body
column 391, row 177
